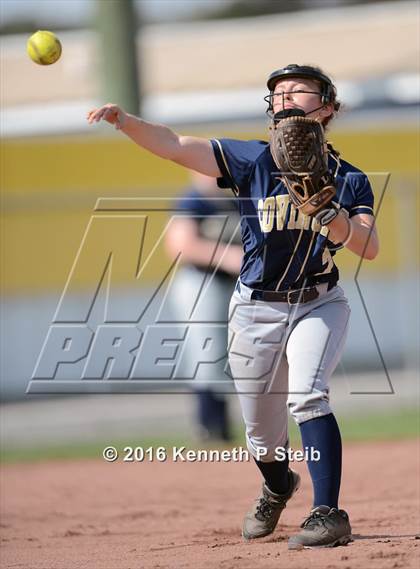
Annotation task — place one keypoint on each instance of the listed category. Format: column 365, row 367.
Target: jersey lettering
column 266, row 212
column 281, row 204
column 275, row 209
column 328, row 261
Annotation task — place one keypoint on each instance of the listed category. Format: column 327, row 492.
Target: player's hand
column 110, row 113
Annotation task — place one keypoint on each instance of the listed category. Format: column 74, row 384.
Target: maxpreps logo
column 101, row 337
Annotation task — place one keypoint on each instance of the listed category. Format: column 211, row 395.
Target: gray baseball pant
column 283, row 356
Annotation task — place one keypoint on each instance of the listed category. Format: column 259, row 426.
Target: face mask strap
column 269, row 100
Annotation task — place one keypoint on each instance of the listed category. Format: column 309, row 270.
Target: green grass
column 400, row 424
column 404, row 423
column 392, row 425
column 88, row 450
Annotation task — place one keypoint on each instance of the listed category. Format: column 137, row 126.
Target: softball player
column 197, row 233
column 288, row 316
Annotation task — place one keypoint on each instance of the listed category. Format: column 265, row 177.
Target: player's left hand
column 300, row 152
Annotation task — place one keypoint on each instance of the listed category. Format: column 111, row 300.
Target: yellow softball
column 44, row 47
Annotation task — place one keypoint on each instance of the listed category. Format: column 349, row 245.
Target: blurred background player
column 211, row 222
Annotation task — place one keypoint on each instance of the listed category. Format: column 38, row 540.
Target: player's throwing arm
column 191, row 152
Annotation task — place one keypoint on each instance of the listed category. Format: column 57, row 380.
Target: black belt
column 294, row 296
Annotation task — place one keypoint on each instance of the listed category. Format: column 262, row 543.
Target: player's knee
column 306, row 406
column 264, row 446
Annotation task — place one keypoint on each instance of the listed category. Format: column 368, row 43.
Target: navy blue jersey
column 196, row 203
column 217, row 218
column 283, row 247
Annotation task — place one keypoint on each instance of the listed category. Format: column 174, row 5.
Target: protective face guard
column 269, row 100
column 304, row 72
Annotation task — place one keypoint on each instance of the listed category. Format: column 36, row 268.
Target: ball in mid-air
column 44, row 47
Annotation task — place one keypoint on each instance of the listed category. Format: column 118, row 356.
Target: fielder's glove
column 300, row 152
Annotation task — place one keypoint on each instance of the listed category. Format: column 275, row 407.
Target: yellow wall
column 50, row 187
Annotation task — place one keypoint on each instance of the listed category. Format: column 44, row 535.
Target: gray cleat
column 324, row 527
column 265, row 514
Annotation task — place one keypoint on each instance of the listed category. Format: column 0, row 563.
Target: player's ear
column 326, row 111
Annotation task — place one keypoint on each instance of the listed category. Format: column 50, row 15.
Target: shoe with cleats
column 264, row 516
column 324, row 527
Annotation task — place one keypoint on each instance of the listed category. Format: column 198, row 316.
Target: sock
column 323, row 435
column 275, row 474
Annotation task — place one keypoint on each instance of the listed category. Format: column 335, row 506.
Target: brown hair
column 335, row 102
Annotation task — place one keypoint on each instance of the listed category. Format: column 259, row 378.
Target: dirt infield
column 97, row 515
